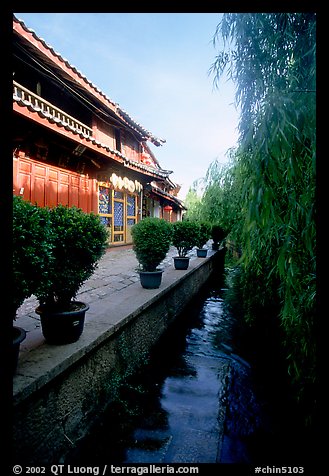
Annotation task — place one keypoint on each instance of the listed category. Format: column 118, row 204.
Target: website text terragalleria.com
column 139, row 469
column 113, row 469
column 107, row 469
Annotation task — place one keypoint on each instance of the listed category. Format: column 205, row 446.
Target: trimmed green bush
column 185, row 236
column 204, row 233
column 217, row 233
column 151, row 241
column 78, row 240
column 32, row 250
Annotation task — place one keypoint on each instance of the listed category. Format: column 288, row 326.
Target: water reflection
column 194, row 402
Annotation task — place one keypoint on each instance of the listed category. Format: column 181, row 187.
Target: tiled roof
column 119, row 111
column 32, row 107
column 172, row 198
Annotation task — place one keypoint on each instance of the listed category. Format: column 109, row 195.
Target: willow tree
column 193, row 204
column 221, row 201
column 271, row 59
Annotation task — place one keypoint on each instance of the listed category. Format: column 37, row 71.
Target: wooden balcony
column 48, row 110
column 24, row 97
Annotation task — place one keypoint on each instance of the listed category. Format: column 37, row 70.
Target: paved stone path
column 117, row 269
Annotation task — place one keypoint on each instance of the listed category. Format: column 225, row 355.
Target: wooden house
column 75, row 146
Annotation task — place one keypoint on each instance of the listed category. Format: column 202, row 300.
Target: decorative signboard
column 121, row 183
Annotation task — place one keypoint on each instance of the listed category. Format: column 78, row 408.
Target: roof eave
column 29, row 35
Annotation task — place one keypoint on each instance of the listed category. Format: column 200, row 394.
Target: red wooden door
column 47, row 185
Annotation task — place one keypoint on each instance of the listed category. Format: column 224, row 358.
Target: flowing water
column 197, row 400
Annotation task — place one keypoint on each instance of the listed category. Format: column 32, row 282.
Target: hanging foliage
column 266, row 197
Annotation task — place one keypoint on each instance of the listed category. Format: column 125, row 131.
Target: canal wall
column 60, row 391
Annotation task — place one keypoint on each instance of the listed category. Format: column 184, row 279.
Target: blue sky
column 155, row 66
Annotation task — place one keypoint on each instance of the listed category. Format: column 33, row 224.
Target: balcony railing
column 56, row 115
column 47, row 109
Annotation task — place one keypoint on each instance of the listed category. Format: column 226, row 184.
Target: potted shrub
column 31, row 259
column 151, row 242
column 204, row 231
column 78, row 242
column 185, row 234
column 217, row 235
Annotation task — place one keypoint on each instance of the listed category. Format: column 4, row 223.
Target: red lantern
column 167, row 208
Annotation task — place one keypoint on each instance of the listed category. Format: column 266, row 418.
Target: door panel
column 47, row 185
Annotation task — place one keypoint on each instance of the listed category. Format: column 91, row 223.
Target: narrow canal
column 196, row 401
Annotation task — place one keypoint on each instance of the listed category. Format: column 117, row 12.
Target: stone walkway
column 116, row 270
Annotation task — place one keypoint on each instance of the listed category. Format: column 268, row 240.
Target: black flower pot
column 201, row 252
column 181, row 262
column 150, row 279
column 62, row 327
column 19, row 335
